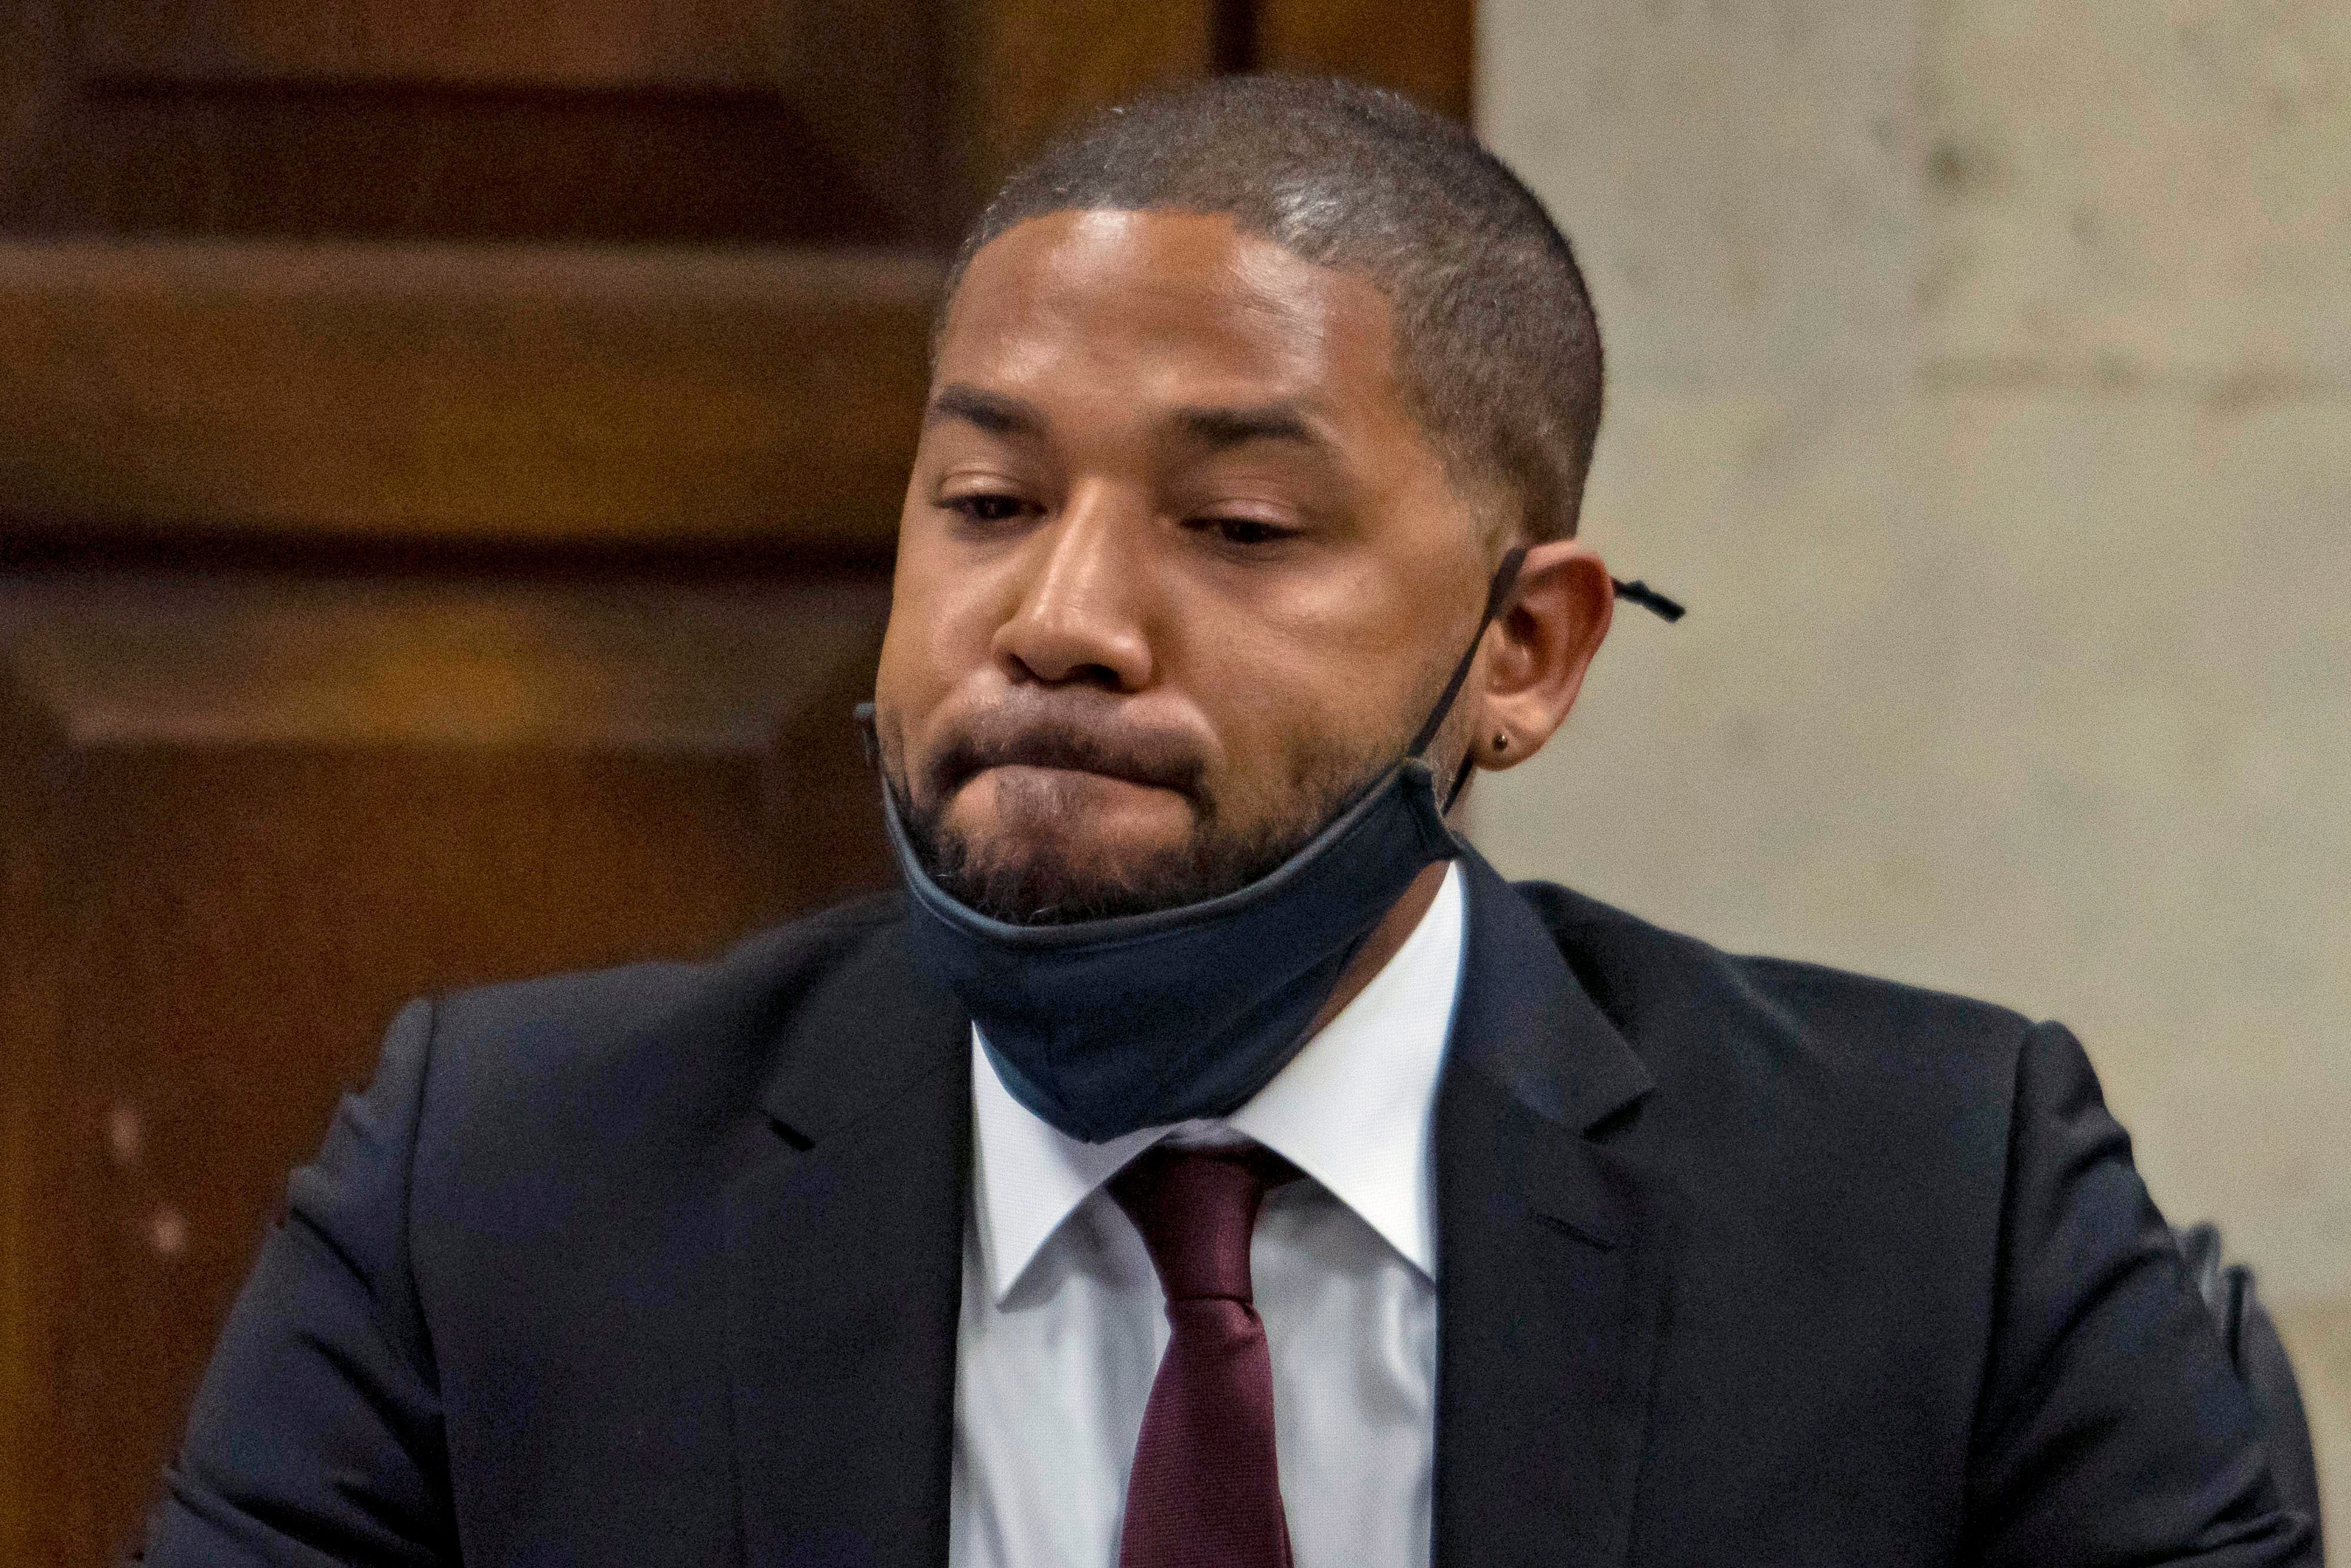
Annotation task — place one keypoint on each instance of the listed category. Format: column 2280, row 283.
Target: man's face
column 1178, row 572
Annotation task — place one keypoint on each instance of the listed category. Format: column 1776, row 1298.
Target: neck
column 1387, row 939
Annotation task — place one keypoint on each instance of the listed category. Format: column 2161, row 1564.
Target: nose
column 1080, row 617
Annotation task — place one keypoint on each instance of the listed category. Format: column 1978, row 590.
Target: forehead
column 1145, row 305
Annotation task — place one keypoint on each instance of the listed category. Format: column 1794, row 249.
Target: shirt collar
column 1351, row 1110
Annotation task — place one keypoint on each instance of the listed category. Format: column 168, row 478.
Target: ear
column 1537, row 650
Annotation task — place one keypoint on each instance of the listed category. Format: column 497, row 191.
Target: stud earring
column 1501, row 742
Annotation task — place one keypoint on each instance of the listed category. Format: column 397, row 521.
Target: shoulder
column 772, row 965
column 1836, row 1145
column 1764, row 1066
column 622, row 1053
column 1661, row 987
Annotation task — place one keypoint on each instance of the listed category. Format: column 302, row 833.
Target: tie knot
column 1195, row 1209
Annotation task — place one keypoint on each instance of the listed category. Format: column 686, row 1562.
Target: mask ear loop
column 1638, row 593
column 1506, row 579
column 1498, row 594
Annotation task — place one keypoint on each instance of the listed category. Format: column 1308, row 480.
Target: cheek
column 940, row 631
column 1277, row 697
column 1280, row 681
column 907, row 680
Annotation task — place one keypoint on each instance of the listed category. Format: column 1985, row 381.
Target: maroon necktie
column 1204, row 1490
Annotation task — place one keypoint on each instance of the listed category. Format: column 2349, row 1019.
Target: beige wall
column 1980, row 374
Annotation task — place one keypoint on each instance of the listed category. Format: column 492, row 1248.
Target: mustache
column 1166, row 759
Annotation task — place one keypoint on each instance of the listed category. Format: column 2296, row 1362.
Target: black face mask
column 1102, row 1027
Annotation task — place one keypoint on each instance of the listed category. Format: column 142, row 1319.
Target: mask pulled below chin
column 1103, row 1027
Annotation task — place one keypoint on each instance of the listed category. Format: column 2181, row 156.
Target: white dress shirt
column 1063, row 1321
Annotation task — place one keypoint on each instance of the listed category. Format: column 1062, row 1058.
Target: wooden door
column 449, row 454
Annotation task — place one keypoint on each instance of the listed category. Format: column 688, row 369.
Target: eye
column 1247, row 531
column 987, row 507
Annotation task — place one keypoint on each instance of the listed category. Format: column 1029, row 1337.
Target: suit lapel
column 846, row 1257
column 1552, row 1255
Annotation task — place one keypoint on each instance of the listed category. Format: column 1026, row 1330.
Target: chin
column 1074, row 846
column 1052, row 884
column 1078, row 816
column 1031, row 866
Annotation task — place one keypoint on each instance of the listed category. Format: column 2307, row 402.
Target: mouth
column 1145, row 761
column 1061, row 770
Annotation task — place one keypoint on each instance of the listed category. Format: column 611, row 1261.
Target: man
column 1210, row 1160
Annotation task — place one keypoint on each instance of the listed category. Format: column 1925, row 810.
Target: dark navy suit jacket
column 1740, row 1261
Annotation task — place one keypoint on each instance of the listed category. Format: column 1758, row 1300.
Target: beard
column 1052, row 885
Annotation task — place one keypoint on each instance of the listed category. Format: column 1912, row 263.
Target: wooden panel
column 443, row 394
column 1428, row 55
column 32, row 68
column 34, row 1197
column 727, row 120
column 1026, row 69
column 1029, row 69
column 243, row 817
column 579, row 42
column 189, row 659
column 394, row 161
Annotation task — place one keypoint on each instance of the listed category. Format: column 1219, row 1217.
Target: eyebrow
column 990, row 411
column 1221, row 428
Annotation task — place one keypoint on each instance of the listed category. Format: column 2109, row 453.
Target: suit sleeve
column 316, row 1436
column 2111, row 1428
